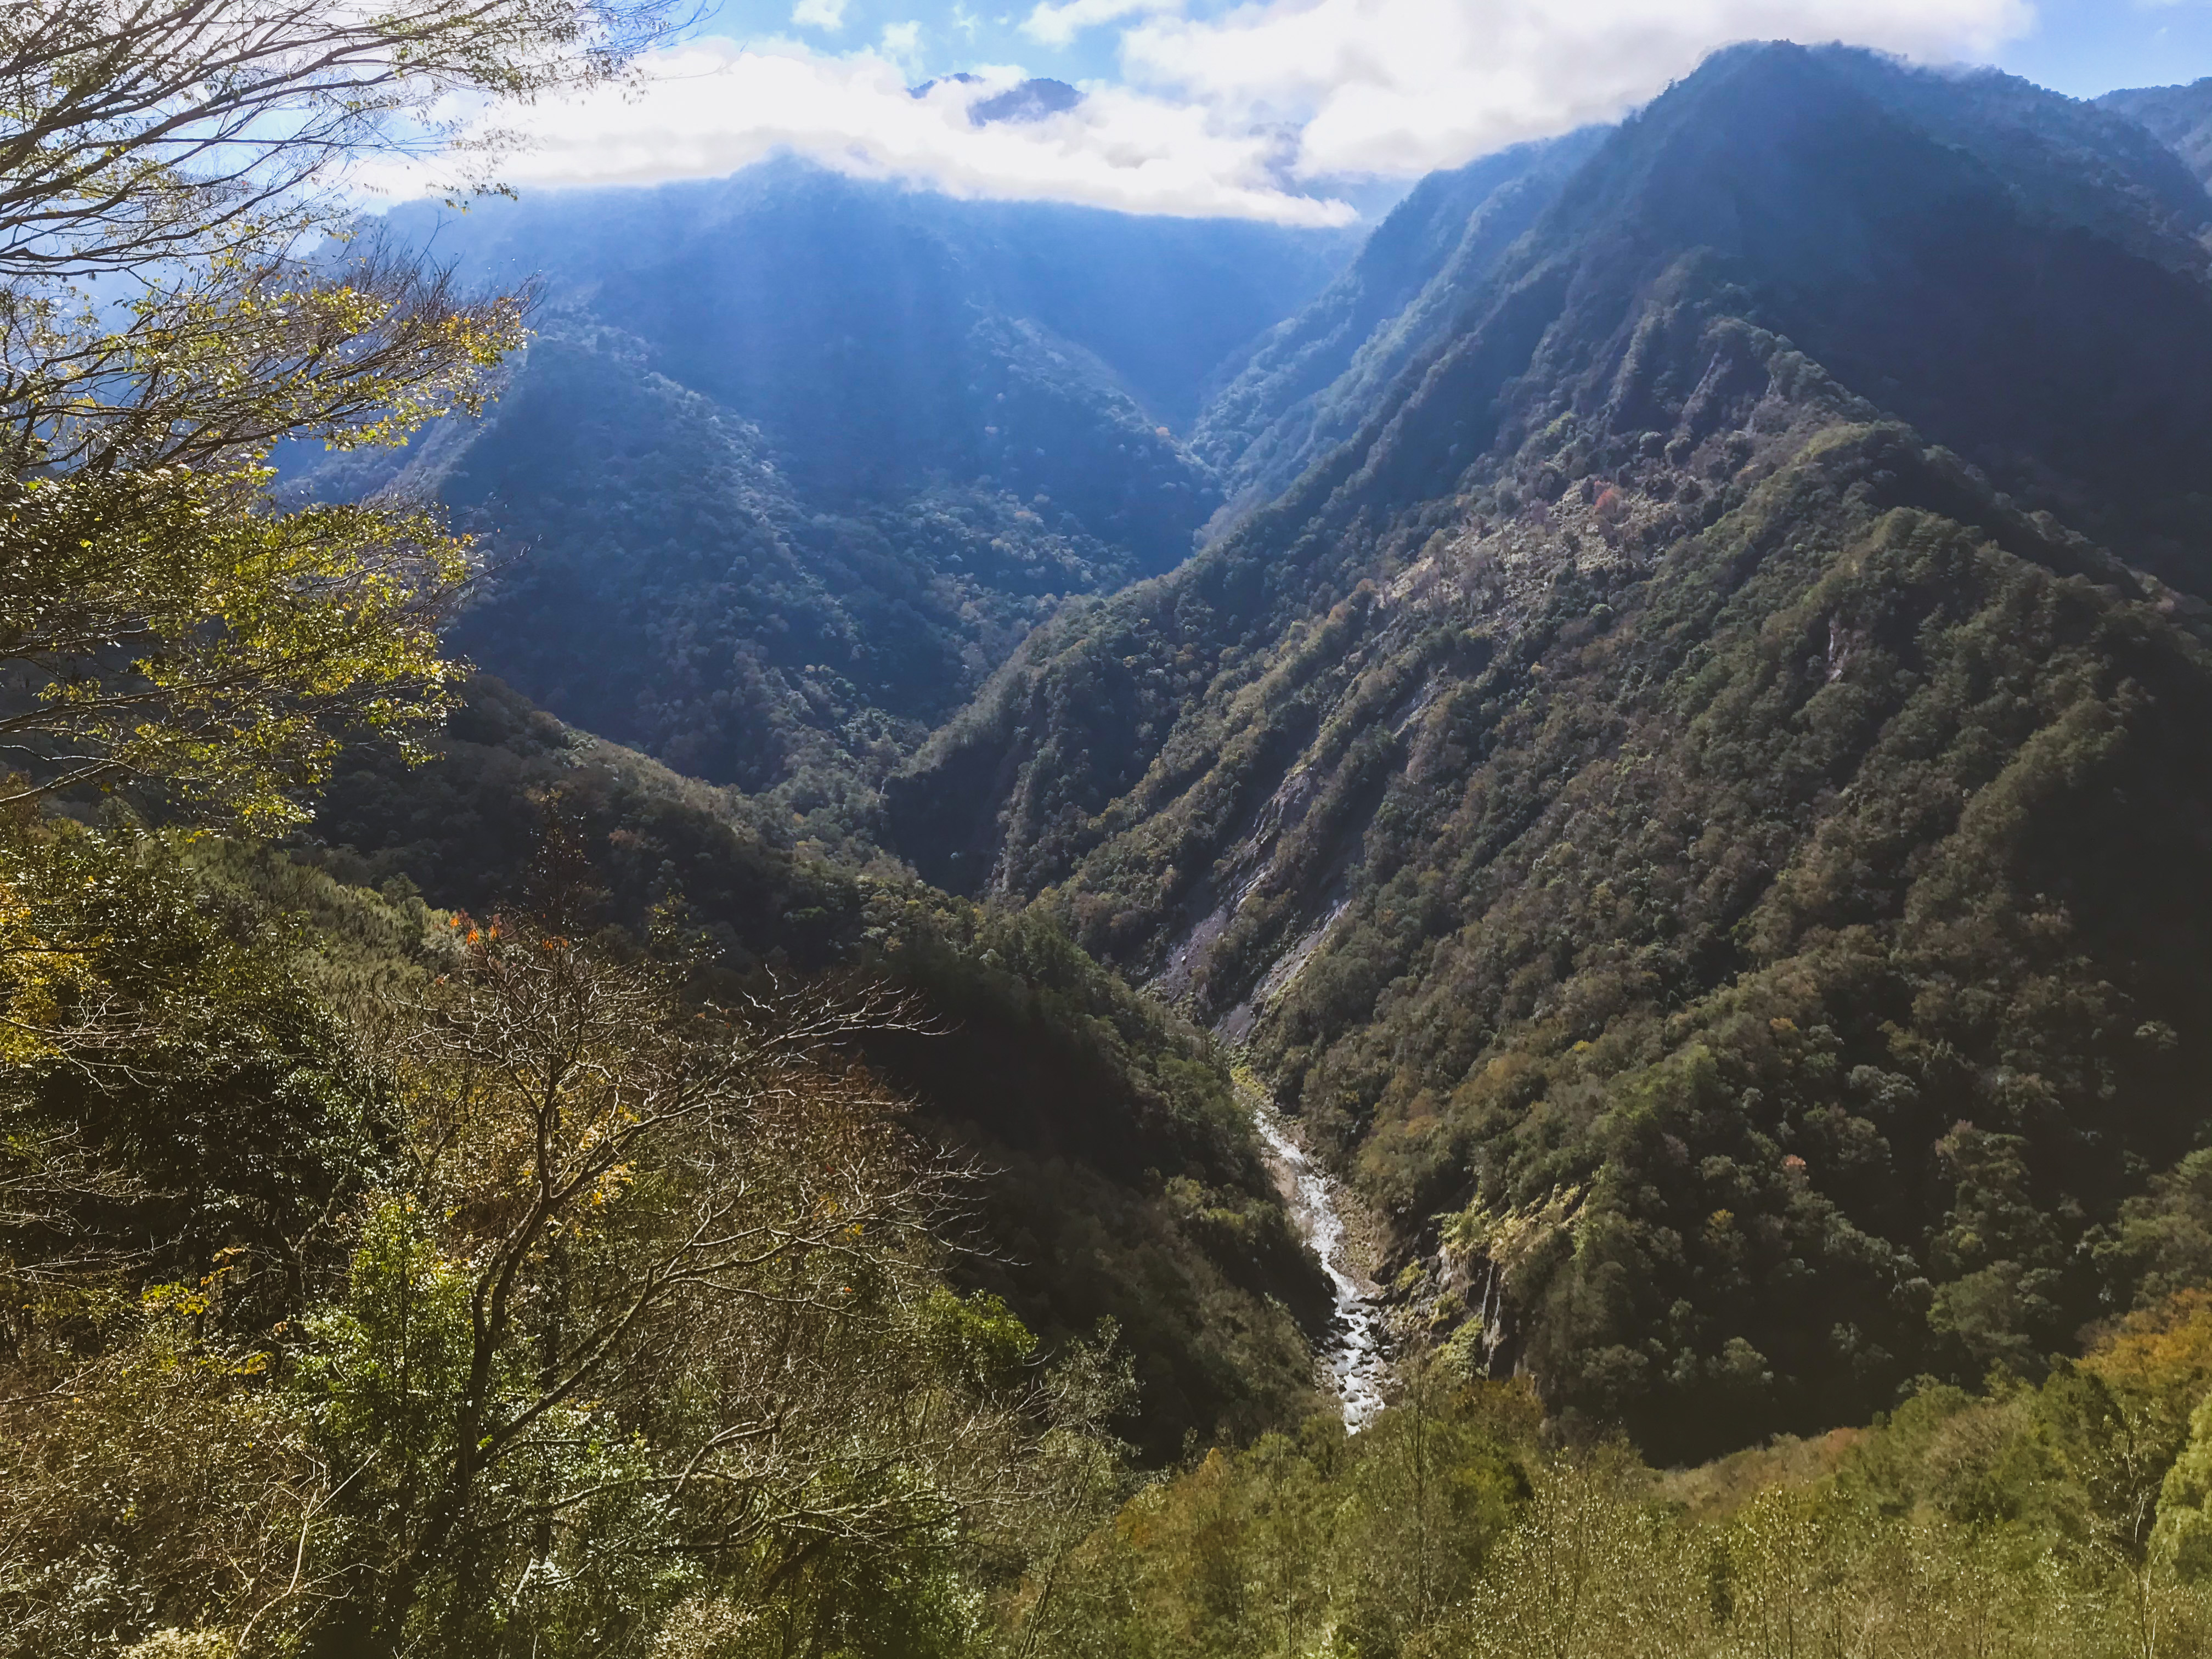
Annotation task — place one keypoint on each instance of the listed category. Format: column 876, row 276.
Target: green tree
column 178, row 296
column 170, row 1090
column 658, row 1282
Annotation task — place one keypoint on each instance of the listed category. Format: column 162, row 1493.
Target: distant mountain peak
column 1031, row 100
column 2180, row 117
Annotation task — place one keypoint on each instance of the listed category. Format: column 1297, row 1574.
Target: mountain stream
column 1357, row 1355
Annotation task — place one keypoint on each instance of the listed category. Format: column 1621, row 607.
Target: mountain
column 668, row 587
column 2180, row 117
column 1700, row 800
column 1306, row 383
column 796, row 460
column 878, row 334
column 1118, row 1177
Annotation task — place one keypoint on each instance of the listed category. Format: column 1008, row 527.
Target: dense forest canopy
column 1676, row 771
column 1724, row 869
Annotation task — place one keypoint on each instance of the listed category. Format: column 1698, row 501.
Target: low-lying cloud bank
column 711, row 106
column 1405, row 86
column 1250, row 114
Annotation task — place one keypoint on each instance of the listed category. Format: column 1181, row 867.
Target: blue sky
column 1289, row 110
column 2080, row 47
column 2085, row 47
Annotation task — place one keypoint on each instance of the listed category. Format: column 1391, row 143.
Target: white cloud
column 902, row 42
column 1057, row 25
column 1402, row 85
column 1245, row 115
column 710, row 106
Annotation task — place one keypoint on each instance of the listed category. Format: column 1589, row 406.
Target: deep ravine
column 1358, row 1353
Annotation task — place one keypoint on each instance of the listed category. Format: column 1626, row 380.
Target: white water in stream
column 1355, row 1354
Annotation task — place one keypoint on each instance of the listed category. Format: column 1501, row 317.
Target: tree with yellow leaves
column 181, row 289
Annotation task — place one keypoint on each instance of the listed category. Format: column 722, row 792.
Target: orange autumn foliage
column 2161, row 1355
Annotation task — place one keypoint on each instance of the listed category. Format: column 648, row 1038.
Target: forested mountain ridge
column 1669, row 792
column 668, row 587
column 1309, row 383
column 2180, row 117
column 794, row 460
column 1121, row 1181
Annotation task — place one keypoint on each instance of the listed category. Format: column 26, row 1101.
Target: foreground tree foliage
column 178, row 295
column 163, row 630
column 2059, row 1520
column 682, row 1281
column 591, row 1315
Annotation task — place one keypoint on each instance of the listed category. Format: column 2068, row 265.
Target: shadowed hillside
column 2180, row 117
column 796, row 460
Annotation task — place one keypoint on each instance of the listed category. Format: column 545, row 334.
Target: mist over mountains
column 794, row 460
column 1678, row 756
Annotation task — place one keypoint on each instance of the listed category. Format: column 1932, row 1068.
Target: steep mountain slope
column 1120, row 1179
column 796, row 460
column 2179, row 117
column 1685, row 799
column 672, row 590
column 1308, row 384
